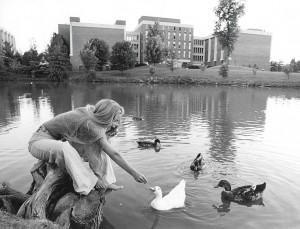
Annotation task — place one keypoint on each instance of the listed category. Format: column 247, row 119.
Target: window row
column 179, row 45
column 198, row 50
column 198, row 42
column 198, row 58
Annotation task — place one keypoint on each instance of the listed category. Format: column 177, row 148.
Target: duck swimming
column 138, row 118
column 175, row 198
column 198, row 163
column 149, row 144
column 245, row 193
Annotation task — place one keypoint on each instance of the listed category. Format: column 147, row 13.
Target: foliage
column 122, row 56
column 276, row 66
column 58, row 59
column 223, row 70
column 59, row 66
column 8, row 53
column 295, row 65
column 152, row 70
column 226, row 28
column 57, row 40
column 254, row 70
column 101, row 52
column 202, row 67
column 154, row 31
column 88, row 57
column 171, row 60
column 154, row 50
column 287, row 70
column 31, row 57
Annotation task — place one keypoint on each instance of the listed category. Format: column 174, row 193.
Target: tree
column 8, row 53
column 154, row 44
column 88, row 57
column 276, row 66
column 154, row 50
column 226, row 28
column 154, row 31
column 287, row 70
column 294, row 65
column 31, row 57
column 101, row 49
column 58, row 58
column 171, row 60
column 122, row 56
column 58, row 40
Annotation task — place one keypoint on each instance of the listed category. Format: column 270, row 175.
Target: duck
column 138, row 118
column 174, row 199
column 198, row 163
column 247, row 193
column 148, row 144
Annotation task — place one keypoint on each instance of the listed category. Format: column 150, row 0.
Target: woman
column 81, row 135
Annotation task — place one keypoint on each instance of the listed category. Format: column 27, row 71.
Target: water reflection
column 244, row 134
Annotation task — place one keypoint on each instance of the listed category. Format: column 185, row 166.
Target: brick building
column 77, row 34
column 177, row 36
column 253, row 47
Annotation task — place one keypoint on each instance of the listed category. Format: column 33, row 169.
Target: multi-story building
column 5, row 36
column 135, row 39
column 77, row 34
column 252, row 48
column 176, row 35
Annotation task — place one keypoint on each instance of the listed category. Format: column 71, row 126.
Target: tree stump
column 52, row 197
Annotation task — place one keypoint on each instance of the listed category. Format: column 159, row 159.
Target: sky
column 34, row 21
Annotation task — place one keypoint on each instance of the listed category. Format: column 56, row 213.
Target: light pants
column 44, row 147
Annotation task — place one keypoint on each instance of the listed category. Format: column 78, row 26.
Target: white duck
column 175, row 198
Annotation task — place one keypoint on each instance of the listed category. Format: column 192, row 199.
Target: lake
column 246, row 135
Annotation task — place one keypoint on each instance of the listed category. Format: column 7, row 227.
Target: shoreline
column 238, row 76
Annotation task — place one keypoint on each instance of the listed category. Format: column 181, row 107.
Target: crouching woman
column 78, row 142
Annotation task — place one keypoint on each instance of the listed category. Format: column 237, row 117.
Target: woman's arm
column 121, row 161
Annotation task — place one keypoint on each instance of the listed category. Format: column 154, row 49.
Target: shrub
column 152, row 70
column 254, row 70
column 223, row 70
column 202, row 67
column 287, row 70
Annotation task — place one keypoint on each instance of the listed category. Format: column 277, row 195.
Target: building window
column 179, row 43
column 184, row 44
column 184, row 36
column 184, row 54
column 189, row 54
column 174, row 44
column 189, row 45
column 174, row 28
column 174, row 37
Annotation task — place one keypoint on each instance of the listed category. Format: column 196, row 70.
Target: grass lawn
column 238, row 75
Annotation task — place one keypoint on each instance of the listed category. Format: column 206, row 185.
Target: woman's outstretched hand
column 140, row 178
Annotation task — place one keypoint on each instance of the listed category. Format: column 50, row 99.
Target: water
column 246, row 135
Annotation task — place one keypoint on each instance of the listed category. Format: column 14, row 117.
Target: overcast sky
column 36, row 20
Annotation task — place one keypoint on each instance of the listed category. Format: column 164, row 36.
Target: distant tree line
column 293, row 66
column 53, row 63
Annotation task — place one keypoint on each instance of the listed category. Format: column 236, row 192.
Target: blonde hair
column 104, row 111
column 80, row 128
